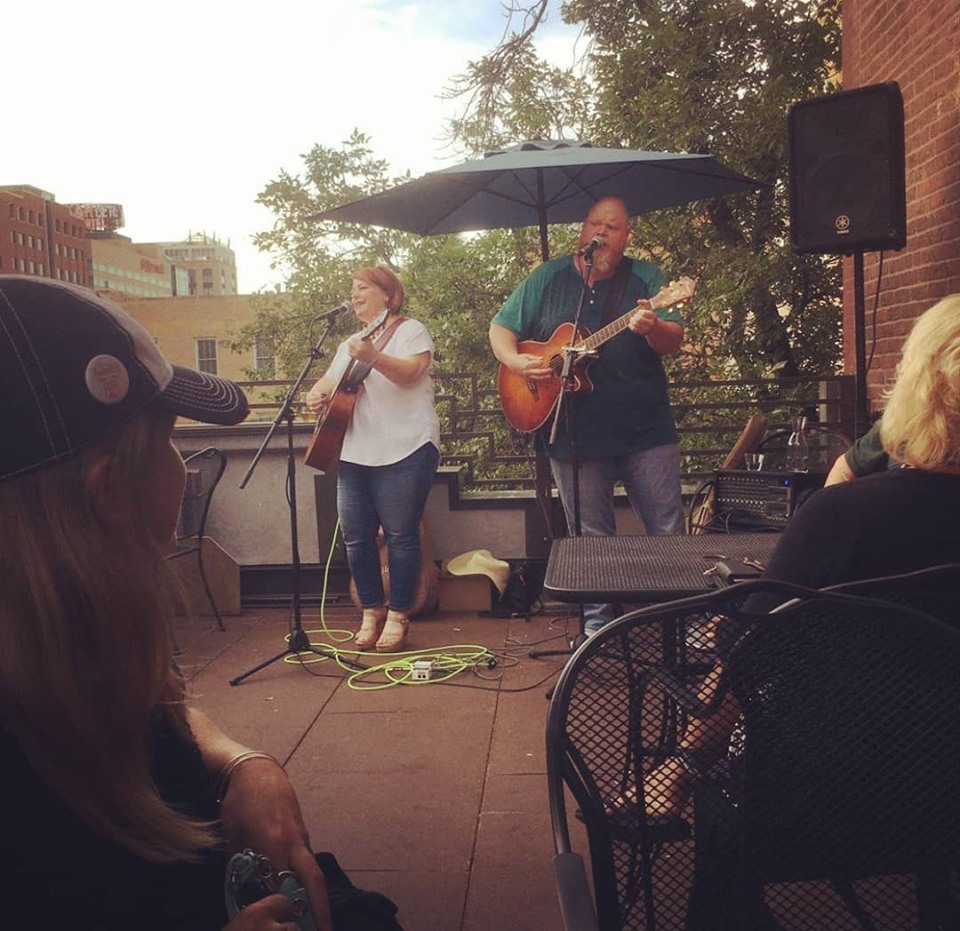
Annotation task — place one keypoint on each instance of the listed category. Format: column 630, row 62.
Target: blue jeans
column 651, row 478
column 393, row 497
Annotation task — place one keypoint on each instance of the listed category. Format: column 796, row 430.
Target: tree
column 700, row 76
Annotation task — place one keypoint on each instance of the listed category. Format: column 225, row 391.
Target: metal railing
column 710, row 415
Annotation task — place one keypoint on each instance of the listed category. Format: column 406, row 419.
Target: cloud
column 185, row 113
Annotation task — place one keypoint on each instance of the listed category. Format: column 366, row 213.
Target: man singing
column 623, row 429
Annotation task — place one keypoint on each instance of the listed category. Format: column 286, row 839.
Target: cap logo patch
column 107, row 379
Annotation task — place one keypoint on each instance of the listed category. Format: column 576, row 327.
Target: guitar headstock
column 674, row 293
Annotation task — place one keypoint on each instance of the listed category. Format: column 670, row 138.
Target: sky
column 182, row 112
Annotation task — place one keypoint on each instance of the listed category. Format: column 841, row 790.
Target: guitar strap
column 384, row 337
column 618, row 284
column 378, row 344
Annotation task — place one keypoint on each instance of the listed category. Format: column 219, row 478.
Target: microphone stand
column 299, row 642
column 571, row 356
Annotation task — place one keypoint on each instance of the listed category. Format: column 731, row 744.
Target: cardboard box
column 465, row 593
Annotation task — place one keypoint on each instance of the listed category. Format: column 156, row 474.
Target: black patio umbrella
column 540, row 182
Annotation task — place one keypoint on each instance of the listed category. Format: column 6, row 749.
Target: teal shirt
column 628, row 410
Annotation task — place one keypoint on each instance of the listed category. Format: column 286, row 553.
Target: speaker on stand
column 847, row 188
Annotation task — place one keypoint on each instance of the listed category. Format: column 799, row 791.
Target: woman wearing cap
column 120, row 801
column 390, row 453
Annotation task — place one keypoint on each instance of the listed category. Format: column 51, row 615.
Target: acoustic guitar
column 528, row 402
column 327, row 440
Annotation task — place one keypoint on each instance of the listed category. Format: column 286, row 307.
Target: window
column 263, row 358
column 207, row 356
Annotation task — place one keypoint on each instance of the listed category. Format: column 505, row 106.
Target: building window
column 207, row 356
column 263, row 358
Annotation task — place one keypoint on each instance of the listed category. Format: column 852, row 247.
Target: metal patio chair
column 836, row 804
column 204, row 471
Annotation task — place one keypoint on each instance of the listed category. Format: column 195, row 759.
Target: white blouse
column 390, row 421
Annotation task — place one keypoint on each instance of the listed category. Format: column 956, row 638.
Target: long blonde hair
column 921, row 422
column 85, row 651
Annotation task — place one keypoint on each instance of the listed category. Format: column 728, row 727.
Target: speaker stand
column 860, row 411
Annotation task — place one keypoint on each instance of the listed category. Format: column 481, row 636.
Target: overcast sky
column 183, row 111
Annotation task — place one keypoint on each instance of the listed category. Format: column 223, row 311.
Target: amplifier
column 766, row 497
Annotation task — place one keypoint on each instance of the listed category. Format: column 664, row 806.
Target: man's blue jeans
column 393, row 497
column 651, row 478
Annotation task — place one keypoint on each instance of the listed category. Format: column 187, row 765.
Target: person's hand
column 261, row 811
column 361, row 349
column 271, row 913
column 531, row 366
column 643, row 319
column 317, row 398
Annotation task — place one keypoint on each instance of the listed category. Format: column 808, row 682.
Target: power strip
column 422, row 670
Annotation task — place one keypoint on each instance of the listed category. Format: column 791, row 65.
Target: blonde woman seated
column 894, row 521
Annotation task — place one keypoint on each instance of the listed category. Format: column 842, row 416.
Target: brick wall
column 917, row 44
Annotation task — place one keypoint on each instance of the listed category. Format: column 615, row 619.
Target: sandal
column 370, row 627
column 394, row 636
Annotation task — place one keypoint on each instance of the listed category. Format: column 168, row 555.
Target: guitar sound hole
column 556, row 364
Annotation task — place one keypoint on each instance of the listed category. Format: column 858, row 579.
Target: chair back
column 935, row 591
column 837, row 799
column 204, row 471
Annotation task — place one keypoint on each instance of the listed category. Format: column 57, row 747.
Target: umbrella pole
column 542, row 218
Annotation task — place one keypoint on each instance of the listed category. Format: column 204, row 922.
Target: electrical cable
column 876, row 306
column 395, row 669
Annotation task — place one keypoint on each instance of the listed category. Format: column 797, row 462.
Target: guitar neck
column 664, row 298
column 594, row 340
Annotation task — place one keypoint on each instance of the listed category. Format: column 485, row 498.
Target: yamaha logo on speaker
column 842, row 224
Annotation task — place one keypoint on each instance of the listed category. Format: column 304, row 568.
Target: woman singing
column 389, row 457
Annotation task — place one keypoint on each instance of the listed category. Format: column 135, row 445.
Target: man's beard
column 605, row 262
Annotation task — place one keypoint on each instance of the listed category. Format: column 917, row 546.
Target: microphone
column 337, row 311
column 591, row 247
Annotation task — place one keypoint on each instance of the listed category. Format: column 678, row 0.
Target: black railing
column 710, row 415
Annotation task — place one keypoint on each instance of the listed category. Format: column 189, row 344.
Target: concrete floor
column 433, row 793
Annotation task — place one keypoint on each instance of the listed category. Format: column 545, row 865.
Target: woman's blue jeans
column 393, row 497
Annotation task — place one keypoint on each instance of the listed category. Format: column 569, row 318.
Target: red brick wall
column 917, row 44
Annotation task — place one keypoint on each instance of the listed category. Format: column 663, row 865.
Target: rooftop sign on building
column 98, row 218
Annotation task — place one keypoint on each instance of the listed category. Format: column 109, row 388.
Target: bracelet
column 223, row 779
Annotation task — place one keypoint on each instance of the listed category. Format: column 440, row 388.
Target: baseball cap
column 75, row 366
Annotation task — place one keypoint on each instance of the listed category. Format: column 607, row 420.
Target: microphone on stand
column 337, row 311
column 591, row 247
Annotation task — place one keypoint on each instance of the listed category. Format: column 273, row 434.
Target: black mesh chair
column 935, row 591
column 204, row 471
column 834, row 803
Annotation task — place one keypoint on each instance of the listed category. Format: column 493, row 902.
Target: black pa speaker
column 847, row 191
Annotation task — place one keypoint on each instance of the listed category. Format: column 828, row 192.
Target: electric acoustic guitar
column 528, row 402
column 327, row 440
